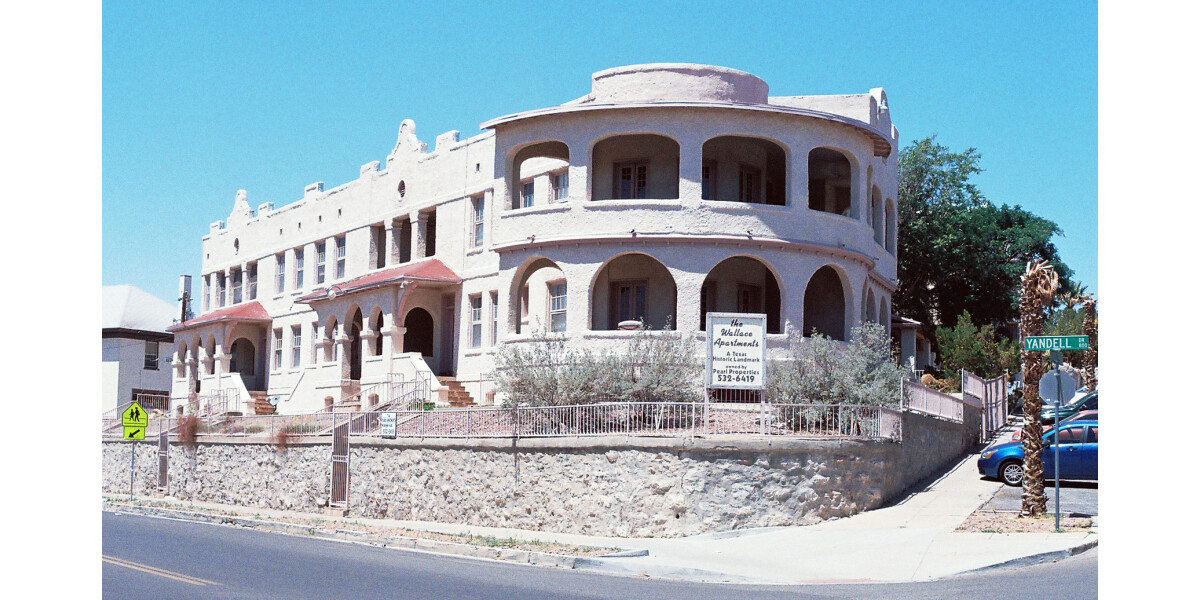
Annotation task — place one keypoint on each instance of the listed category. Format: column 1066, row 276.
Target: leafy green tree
column 976, row 349
column 957, row 251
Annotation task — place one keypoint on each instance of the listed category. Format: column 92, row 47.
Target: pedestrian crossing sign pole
column 134, row 422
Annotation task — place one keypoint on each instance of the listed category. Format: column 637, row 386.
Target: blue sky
column 201, row 99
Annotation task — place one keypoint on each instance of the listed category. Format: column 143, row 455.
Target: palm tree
column 1093, row 352
column 1037, row 292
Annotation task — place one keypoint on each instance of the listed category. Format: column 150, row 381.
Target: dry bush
column 282, row 440
column 189, row 426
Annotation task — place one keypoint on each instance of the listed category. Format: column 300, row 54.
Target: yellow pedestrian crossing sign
column 134, row 416
column 135, row 433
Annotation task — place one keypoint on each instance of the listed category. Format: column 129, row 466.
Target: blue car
column 1077, row 458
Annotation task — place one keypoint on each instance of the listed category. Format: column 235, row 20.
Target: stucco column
column 577, row 173
column 391, row 340
column 419, row 221
column 341, row 342
column 366, row 340
column 212, row 291
column 691, row 169
column 391, row 233
column 687, row 300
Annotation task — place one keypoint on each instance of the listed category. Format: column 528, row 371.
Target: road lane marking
column 156, row 571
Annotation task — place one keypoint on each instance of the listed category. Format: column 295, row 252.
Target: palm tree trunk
column 1093, row 352
column 1037, row 286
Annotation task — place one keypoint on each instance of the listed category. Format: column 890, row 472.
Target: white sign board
column 736, row 351
column 387, row 425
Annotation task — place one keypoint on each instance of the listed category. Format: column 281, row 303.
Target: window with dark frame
column 278, row 350
column 558, row 182
column 296, row 345
column 279, row 274
column 476, row 320
column 627, row 301
column 495, row 298
column 526, row 194
column 151, row 360
column 320, row 263
column 477, row 221
column 299, row 268
column 340, row 249
column 252, row 281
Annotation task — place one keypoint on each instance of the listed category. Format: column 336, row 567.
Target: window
column 235, row 276
column 629, row 180
column 627, row 301
column 1072, row 435
column 340, row 250
column 151, row 362
column 314, row 343
column 278, row 354
column 558, row 181
column 299, row 268
column 748, row 184
column 320, row 263
column 220, row 290
column 1093, row 435
column 279, row 278
column 708, row 180
column 295, row 345
column 476, row 321
column 495, row 317
column 477, row 219
column 431, row 235
column 252, row 281
column 526, row 194
column 558, row 306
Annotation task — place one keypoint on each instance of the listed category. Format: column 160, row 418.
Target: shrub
column 823, row 371
column 282, row 440
column 189, row 427
column 655, row 367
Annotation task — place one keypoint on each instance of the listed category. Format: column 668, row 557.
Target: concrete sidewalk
column 910, row 540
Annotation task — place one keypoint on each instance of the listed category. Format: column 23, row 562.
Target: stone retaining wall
column 619, row 486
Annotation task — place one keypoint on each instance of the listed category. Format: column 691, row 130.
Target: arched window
column 891, row 226
column 877, row 215
column 743, row 169
column 829, row 181
column 635, row 166
column 377, row 325
column 825, row 304
column 742, row 284
column 355, row 326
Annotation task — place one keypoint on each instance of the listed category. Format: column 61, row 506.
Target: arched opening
column 829, row 181
column 331, row 326
column 633, row 287
column 377, row 327
column 742, row 284
column 548, row 160
column 634, row 166
column 877, row 216
column 418, row 332
column 355, row 335
column 885, row 318
column 825, row 305
column 891, row 226
column 210, row 355
column 541, row 298
column 241, row 361
column 743, row 169
column 868, row 311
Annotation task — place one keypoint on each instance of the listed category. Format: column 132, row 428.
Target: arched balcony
column 635, row 166
column 744, row 169
column 742, row 284
column 633, row 287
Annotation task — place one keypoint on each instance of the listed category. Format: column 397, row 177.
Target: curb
column 530, row 557
column 1035, row 559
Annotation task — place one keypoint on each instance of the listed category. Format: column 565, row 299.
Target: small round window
column 401, row 189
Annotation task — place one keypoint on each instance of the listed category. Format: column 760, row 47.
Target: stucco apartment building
column 668, row 191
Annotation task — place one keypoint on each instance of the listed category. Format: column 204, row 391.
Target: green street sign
column 1056, row 342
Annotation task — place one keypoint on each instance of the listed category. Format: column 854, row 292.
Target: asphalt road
column 154, row 558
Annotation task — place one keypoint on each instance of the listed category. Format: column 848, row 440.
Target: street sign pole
column 1056, row 359
column 132, row 445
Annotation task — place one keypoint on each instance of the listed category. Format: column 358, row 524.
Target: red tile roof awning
column 430, row 270
column 249, row 312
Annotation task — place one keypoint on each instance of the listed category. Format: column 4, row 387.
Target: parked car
column 1083, row 415
column 1087, row 402
column 1077, row 447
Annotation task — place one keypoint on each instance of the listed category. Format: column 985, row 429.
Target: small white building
column 666, row 192
column 136, row 348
